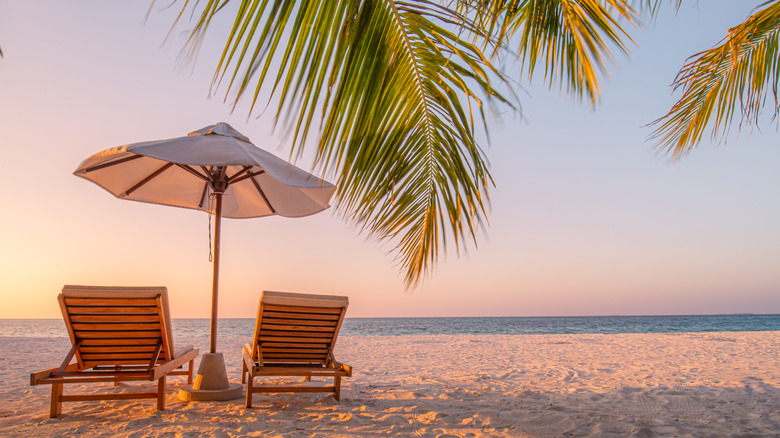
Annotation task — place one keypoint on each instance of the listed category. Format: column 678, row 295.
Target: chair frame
column 117, row 367
column 254, row 364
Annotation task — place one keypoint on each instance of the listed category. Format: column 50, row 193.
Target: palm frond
column 398, row 94
column 736, row 76
column 570, row 40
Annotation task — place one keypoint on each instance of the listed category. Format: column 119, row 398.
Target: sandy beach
column 684, row 385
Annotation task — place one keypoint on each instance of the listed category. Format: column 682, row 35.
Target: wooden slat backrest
column 117, row 325
column 297, row 328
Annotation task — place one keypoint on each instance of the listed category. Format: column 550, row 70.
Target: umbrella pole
column 211, row 383
column 215, row 276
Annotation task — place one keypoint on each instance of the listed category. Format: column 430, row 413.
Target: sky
column 585, row 218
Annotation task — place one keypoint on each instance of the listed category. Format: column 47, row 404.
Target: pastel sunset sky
column 585, row 218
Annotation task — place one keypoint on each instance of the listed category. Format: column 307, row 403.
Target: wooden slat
column 264, row 339
column 118, row 326
column 266, row 345
column 94, row 357
column 283, row 369
column 117, row 334
column 96, row 379
column 110, row 302
column 266, row 352
column 292, row 389
column 309, row 328
column 322, row 323
column 297, row 367
column 119, row 342
column 92, row 363
column 86, row 310
column 113, row 348
column 308, row 316
column 122, row 369
column 319, row 350
column 267, row 355
column 297, row 357
column 278, row 308
column 124, row 396
column 106, row 371
column 114, row 318
column 295, row 334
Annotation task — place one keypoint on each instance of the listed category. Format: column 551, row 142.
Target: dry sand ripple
column 643, row 385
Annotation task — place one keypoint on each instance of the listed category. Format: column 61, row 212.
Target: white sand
column 690, row 384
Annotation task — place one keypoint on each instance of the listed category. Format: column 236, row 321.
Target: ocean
column 244, row 327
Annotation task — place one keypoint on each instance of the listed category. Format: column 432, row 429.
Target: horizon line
column 465, row 317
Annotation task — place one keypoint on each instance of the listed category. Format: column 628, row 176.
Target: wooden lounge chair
column 118, row 334
column 294, row 336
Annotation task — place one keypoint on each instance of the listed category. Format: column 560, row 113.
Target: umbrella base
column 211, row 383
column 232, row 392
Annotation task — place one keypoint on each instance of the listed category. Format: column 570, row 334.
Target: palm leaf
column 571, row 41
column 733, row 77
column 398, row 95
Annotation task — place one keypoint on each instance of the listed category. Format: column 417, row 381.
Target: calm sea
column 452, row 326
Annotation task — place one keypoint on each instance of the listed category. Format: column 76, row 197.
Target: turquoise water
column 452, row 326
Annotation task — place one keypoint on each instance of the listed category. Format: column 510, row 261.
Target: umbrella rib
column 248, row 175
column 239, row 173
column 101, row 166
column 193, row 171
column 259, row 190
column 148, row 178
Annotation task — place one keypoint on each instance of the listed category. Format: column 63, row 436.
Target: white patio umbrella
column 214, row 163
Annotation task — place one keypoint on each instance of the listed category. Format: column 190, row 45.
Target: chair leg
column 189, row 372
column 161, row 394
column 56, row 403
column 249, row 387
column 337, row 387
column 116, row 382
column 243, row 372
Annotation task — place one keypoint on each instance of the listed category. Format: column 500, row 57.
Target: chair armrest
column 40, row 375
column 34, row 377
column 181, row 351
column 249, row 362
column 45, row 374
column 335, row 364
column 166, row 367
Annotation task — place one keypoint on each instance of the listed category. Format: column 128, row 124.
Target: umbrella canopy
column 216, row 161
column 181, row 172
